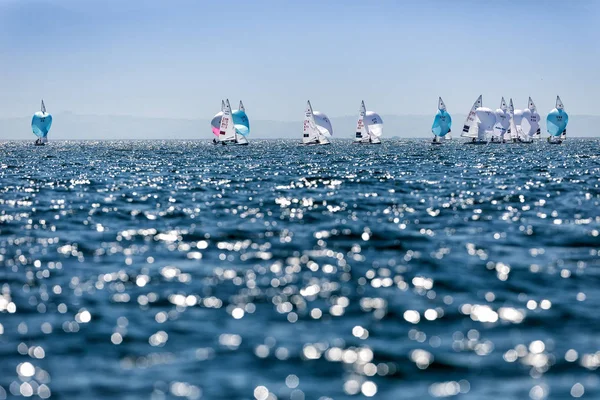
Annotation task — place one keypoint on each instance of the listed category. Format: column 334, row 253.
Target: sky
column 179, row 58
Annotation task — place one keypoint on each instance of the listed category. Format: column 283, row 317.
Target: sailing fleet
column 507, row 125
column 482, row 126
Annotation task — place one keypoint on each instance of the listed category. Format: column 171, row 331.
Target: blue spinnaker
column 556, row 122
column 241, row 122
column 442, row 123
column 41, row 123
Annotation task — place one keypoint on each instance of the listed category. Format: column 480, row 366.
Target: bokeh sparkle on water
column 183, row 270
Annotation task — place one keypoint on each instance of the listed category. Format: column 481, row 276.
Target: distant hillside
column 73, row 126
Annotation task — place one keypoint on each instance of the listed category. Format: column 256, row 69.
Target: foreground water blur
column 182, row 270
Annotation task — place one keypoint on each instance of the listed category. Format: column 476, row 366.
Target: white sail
column 441, row 105
column 323, row 140
column 323, row 124
column 310, row 131
column 512, row 130
column 518, row 121
column 222, row 106
column 559, row 104
column 531, row 105
column 470, row 128
column 240, row 139
column 531, row 121
column 361, row 131
column 374, row 126
column 43, row 108
column 486, row 119
column 227, row 130
column 241, row 107
column 502, row 124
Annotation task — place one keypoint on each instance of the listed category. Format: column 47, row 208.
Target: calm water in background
column 176, row 269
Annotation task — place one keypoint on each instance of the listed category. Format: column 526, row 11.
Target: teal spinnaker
column 556, row 122
column 41, row 123
column 442, row 123
column 241, row 122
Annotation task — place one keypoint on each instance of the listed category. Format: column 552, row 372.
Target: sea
column 182, row 270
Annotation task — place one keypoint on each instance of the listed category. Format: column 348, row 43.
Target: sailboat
column 241, row 125
column 479, row 123
column 317, row 127
column 40, row 124
column 369, row 127
column 227, row 131
column 556, row 123
column 215, row 123
column 516, row 130
column 442, row 124
column 530, row 124
column 501, row 128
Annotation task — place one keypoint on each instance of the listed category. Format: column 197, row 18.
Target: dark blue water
column 174, row 270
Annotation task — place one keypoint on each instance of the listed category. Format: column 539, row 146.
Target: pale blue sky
column 179, row 58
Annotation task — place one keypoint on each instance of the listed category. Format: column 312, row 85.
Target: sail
column 310, row 131
column 441, row 105
column 374, row 125
column 361, row 132
column 503, row 106
column 241, row 121
column 531, row 120
column 557, row 120
column 502, row 121
column 239, row 139
column 531, row 105
column 518, row 120
column 486, row 119
column 323, row 124
column 226, row 129
column 442, row 122
column 41, row 123
column 470, row 128
column 512, row 130
column 215, row 123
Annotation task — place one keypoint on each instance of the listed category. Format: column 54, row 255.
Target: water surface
column 178, row 269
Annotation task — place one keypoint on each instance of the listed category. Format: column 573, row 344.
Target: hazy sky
column 179, row 58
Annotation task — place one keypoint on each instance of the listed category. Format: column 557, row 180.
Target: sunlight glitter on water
column 294, row 274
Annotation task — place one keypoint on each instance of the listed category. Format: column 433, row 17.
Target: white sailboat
column 471, row 125
column 502, row 125
column 512, row 134
column 369, row 127
column 227, row 132
column 317, row 127
column 530, row 124
column 243, row 128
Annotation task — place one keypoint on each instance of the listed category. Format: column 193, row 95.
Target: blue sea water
column 182, row 270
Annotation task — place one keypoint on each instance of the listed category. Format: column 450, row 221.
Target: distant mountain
column 74, row 126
